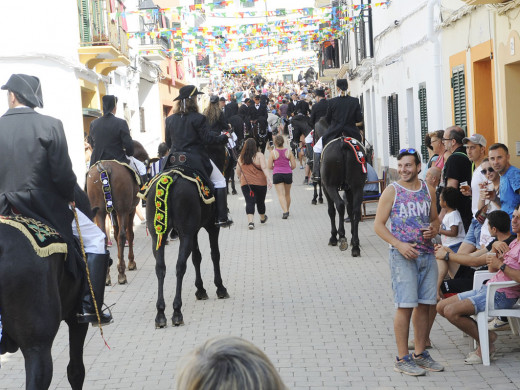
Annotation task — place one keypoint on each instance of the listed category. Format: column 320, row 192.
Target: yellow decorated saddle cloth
column 44, row 239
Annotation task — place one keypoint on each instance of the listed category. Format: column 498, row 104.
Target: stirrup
column 91, row 318
column 227, row 223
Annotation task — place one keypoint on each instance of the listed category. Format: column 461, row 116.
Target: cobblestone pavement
column 324, row 318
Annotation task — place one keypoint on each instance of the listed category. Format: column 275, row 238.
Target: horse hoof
column 177, row 319
column 320, row 201
column 160, row 321
column 234, row 192
column 333, row 242
column 314, row 202
column 222, row 294
column 201, row 295
column 343, row 244
column 121, row 279
column 356, row 252
column 132, row 266
column 108, row 280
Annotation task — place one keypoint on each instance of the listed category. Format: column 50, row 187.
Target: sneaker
column 251, row 226
column 498, row 324
column 424, row 360
column 407, row 366
column 264, row 220
column 306, row 181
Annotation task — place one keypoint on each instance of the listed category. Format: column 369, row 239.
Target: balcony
column 103, row 37
column 155, row 49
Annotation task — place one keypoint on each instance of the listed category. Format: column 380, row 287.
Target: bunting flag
column 311, row 25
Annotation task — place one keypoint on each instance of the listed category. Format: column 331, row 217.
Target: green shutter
column 424, row 120
column 393, row 124
column 84, row 21
column 459, row 97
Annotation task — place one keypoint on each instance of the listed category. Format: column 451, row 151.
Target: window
column 423, row 113
column 459, row 96
column 393, row 124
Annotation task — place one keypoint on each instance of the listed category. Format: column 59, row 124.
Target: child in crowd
column 452, row 229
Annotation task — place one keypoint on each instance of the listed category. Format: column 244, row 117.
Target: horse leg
column 340, row 206
column 185, row 247
column 38, row 365
column 130, row 236
column 160, row 272
column 315, row 196
column 354, row 200
column 76, row 368
column 333, row 241
column 122, row 220
column 213, row 233
column 196, row 257
column 320, row 198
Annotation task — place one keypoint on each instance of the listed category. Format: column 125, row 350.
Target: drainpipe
column 437, row 119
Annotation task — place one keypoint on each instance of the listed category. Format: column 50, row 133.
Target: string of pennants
column 314, row 24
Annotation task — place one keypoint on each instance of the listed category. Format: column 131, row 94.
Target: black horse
column 36, row 294
column 340, row 169
column 310, row 75
column 187, row 214
column 260, row 133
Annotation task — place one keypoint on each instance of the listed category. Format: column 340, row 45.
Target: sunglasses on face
column 489, row 170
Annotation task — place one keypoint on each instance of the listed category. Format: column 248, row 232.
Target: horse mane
column 140, row 152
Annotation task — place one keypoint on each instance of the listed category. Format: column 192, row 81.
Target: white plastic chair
column 482, row 318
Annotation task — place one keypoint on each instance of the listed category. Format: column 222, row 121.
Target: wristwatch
column 447, row 256
column 502, row 267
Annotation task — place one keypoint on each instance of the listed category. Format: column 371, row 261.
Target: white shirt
column 476, row 180
column 449, row 220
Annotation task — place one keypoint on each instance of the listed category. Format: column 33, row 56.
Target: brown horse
column 123, row 192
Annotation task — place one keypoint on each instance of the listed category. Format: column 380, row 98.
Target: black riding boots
column 316, row 167
column 223, row 219
column 97, row 266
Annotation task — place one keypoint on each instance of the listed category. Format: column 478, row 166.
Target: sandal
column 475, row 358
column 251, row 225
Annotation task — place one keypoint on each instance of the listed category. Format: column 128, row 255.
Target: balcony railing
column 98, row 28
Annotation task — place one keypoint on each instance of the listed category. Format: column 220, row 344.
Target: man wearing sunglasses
column 457, row 170
column 407, row 203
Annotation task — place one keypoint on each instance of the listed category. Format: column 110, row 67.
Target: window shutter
column 141, row 120
column 84, row 21
column 424, row 120
column 459, row 97
column 393, row 124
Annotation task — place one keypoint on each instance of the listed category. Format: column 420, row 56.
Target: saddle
column 352, row 143
column 44, row 240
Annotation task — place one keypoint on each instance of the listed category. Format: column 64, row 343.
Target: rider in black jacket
column 187, row 131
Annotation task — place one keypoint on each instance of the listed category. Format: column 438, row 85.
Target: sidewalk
column 325, row 319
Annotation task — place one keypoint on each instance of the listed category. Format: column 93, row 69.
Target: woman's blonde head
column 278, row 141
column 228, row 363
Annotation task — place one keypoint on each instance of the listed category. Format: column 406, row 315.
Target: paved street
column 324, row 318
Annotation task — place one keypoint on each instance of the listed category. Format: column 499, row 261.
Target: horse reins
column 83, row 254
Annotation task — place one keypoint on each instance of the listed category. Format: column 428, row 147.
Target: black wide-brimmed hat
column 320, row 93
column 187, row 91
column 28, row 87
column 342, row 84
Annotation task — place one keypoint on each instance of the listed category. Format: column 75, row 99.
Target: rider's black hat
column 28, row 87
column 109, row 102
column 320, row 93
column 187, row 91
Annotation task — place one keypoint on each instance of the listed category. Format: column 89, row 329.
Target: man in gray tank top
column 407, row 203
